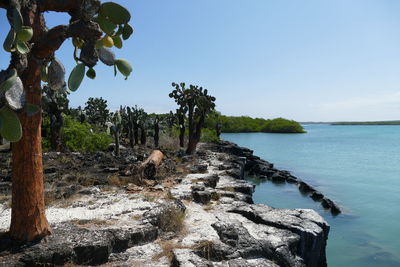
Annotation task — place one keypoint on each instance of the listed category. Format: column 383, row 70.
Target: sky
column 307, row 60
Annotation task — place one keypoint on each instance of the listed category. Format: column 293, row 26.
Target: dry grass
column 172, row 220
column 229, row 189
column 215, row 196
column 92, row 222
column 167, row 247
column 206, row 248
column 114, row 180
column 208, row 207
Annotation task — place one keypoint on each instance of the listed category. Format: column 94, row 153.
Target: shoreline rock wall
column 264, row 170
column 206, row 219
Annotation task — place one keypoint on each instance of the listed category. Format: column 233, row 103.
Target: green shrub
column 281, row 125
column 245, row 124
column 78, row 136
column 209, row 135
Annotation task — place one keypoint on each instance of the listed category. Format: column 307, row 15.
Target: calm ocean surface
column 358, row 167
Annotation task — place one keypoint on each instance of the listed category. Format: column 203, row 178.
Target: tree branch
column 50, row 42
column 59, row 5
column 54, row 38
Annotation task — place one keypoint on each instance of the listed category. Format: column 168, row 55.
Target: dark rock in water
column 305, row 188
column 244, row 188
column 278, row 178
column 329, row 204
column 292, row 180
column 199, row 168
column 231, row 148
column 203, row 197
column 317, row 196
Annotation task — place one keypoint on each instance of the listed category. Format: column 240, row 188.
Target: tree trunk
column 196, row 135
column 156, row 134
column 182, row 135
column 28, row 219
column 181, row 122
column 55, row 128
column 136, row 133
column 116, row 136
column 143, row 140
column 131, row 139
column 151, row 164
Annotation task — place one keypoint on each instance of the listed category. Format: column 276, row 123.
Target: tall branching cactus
column 94, row 27
column 115, row 129
column 156, row 124
column 143, row 122
column 180, row 113
column 55, row 103
column 170, row 120
column 197, row 103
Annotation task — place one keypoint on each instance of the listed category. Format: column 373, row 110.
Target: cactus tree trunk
column 28, row 219
column 181, row 122
column 156, row 134
column 116, row 136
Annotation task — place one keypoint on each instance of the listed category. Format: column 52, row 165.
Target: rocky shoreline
column 264, row 170
column 205, row 217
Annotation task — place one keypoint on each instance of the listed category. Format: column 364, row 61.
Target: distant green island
column 245, row 124
column 367, row 123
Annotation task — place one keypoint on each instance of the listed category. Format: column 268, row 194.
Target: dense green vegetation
column 367, row 123
column 244, row 124
column 77, row 136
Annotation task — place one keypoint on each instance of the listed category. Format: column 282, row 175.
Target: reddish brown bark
column 28, row 220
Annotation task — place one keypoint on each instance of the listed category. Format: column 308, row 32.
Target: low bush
column 76, row 136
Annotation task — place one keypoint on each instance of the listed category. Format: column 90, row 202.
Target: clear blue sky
column 308, row 60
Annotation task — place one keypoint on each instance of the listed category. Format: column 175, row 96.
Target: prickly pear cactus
column 110, row 20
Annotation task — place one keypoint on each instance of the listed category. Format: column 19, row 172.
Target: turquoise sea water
column 358, row 167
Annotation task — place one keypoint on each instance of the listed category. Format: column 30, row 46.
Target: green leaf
column 115, row 13
column 127, row 31
column 91, row 73
column 9, row 41
column 11, row 128
column 17, row 20
column 106, row 25
column 22, row 47
column 31, row 109
column 124, row 67
column 15, row 95
column 44, row 73
column 10, row 81
column 25, row 34
column 76, row 77
column 106, row 56
column 117, row 41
